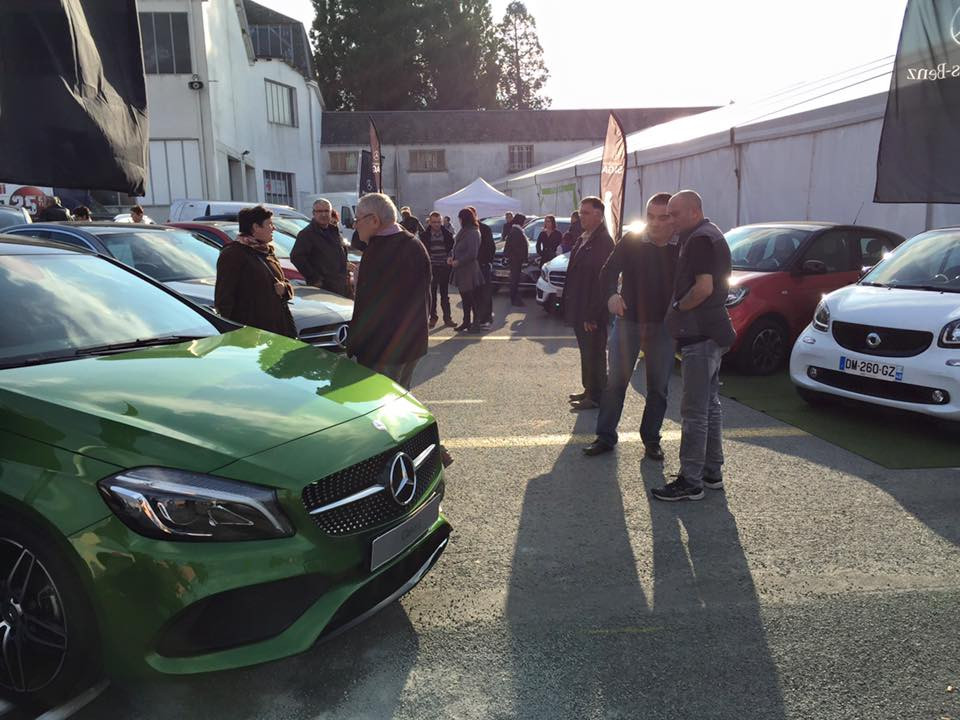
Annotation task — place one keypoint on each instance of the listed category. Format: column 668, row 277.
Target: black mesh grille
column 376, row 509
column 558, row 278
column 894, row 342
column 881, row 388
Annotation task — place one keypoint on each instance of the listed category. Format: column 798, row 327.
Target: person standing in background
column 439, row 244
column 466, row 269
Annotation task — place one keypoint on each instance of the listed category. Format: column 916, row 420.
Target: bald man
column 699, row 322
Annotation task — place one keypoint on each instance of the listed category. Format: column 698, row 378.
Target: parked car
column 892, row 339
column 126, row 217
column 553, row 276
column 183, row 210
column 10, row 215
column 187, row 264
column 780, row 272
column 534, row 227
column 180, row 495
column 221, row 232
column 290, row 227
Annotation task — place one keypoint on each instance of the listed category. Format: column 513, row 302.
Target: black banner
column 367, row 183
column 613, row 176
column 73, row 96
column 376, row 156
column 920, row 142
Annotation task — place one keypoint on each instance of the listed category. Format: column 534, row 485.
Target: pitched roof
column 438, row 127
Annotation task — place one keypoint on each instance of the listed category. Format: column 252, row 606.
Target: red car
column 223, row 231
column 780, row 272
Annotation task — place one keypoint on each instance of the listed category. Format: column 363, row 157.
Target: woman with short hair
column 549, row 240
column 251, row 288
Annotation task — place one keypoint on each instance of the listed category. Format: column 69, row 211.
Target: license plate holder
column 871, row 368
column 501, row 273
column 386, row 547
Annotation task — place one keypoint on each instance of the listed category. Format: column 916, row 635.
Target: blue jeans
column 626, row 341
column 701, row 441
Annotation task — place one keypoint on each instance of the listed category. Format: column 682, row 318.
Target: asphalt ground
column 818, row 585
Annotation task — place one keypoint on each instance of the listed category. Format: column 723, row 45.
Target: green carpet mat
column 888, row 437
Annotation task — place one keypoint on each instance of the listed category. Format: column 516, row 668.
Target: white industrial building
column 806, row 153
column 235, row 113
column 430, row 154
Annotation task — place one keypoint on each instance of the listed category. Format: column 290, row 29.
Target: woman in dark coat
column 466, row 269
column 251, row 288
column 549, row 240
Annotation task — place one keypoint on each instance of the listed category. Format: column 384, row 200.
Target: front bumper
column 922, row 374
column 529, row 274
column 548, row 293
column 331, row 337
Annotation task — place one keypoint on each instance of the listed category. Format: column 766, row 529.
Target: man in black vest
column 699, row 322
column 585, row 304
column 319, row 253
column 647, row 262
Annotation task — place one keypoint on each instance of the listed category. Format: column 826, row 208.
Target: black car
column 531, row 268
column 187, row 264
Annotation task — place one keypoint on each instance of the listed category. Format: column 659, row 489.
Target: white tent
column 479, row 194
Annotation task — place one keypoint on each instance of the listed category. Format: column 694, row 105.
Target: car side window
column 67, row 239
column 835, row 249
column 873, row 246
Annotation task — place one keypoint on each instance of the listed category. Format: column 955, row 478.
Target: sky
column 692, row 52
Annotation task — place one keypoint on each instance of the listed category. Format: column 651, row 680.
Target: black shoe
column 449, row 322
column 597, row 447
column 433, row 322
column 585, row 404
column 678, row 490
column 653, row 452
column 462, row 328
column 577, row 396
column 474, row 329
column 445, row 457
column 713, row 483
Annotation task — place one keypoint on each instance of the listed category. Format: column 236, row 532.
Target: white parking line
column 627, row 437
column 451, row 402
column 532, row 338
column 76, row 704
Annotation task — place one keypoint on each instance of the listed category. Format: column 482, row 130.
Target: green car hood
column 197, row 405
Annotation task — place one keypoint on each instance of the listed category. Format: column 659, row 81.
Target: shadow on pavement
column 587, row 642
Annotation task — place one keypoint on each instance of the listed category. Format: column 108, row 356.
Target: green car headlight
column 171, row 504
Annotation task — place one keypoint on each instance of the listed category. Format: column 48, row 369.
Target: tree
column 406, row 54
column 523, row 72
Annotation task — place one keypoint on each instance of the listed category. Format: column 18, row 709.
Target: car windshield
column 764, row 248
column 64, row 303
column 534, row 229
column 289, row 225
column 164, row 255
column 283, row 243
column 930, row 261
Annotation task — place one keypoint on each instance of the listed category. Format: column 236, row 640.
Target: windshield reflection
column 930, row 261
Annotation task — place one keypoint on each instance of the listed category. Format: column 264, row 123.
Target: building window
column 273, row 41
column 278, row 187
column 521, row 157
column 281, row 104
column 166, row 43
column 343, row 162
column 428, row 161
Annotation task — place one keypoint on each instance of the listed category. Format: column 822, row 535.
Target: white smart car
column 893, row 338
column 553, row 276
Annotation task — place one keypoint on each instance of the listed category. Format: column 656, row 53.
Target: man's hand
column 616, row 305
column 352, row 268
column 280, row 288
column 590, row 326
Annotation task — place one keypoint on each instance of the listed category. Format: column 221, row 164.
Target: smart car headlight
column 950, row 335
column 821, row 318
column 544, row 274
column 169, row 504
column 735, row 295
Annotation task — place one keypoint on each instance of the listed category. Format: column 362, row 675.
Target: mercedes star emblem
column 873, row 340
column 342, row 333
column 403, row 479
column 955, row 27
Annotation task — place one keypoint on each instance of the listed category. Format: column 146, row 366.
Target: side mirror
column 864, row 270
column 813, row 267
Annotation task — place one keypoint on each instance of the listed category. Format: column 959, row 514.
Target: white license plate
column 871, row 368
column 393, row 542
column 501, row 273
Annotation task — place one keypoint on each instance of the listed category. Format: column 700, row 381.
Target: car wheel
column 815, row 398
column 764, row 348
column 49, row 639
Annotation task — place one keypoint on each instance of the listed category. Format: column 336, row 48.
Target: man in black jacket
column 488, row 251
column 319, row 253
column 388, row 332
column 647, row 262
column 516, row 250
column 438, row 244
column 584, row 305
column 410, row 222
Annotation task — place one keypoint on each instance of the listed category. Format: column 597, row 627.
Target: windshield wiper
column 134, row 344
column 933, row 288
column 874, row 284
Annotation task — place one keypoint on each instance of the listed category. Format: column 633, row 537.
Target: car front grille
column 894, row 342
column 886, row 389
column 557, row 277
column 333, row 337
column 378, row 507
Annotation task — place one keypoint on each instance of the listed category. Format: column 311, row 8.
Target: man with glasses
column 319, row 253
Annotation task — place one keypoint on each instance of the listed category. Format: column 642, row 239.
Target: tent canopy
column 480, row 194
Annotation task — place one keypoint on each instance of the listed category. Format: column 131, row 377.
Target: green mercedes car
column 179, row 494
